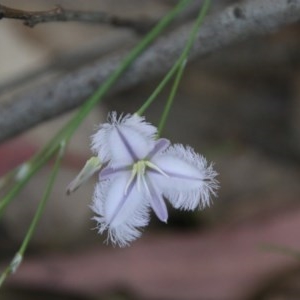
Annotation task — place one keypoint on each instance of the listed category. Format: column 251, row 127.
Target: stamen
column 156, row 168
column 146, row 185
column 138, row 182
column 133, row 174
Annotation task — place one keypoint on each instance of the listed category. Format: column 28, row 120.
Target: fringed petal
column 122, row 214
column 123, row 140
column 108, row 172
column 156, row 200
column 190, row 181
column 160, row 146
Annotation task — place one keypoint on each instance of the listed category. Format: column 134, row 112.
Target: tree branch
column 32, row 18
column 234, row 24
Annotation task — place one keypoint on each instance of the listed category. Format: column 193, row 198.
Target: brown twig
column 59, row 14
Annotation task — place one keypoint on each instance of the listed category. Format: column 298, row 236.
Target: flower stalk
column 13, row 266
column 177, row 69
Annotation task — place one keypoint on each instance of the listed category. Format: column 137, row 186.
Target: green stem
column 41, row 207
column 126, row 63
column 66, row 133
column 170, row 100
column 182, row 63
column 177, row 67
column 158, row 89
column 18, row 186
column 43, row 202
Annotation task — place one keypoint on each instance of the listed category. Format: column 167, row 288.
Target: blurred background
column 239, row 107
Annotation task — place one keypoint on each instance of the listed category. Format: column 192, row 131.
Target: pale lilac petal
column 190, row 180
column 124, row 140
column 160, row 146
column 119, row 213
column 156, row 201
column 99, row 140
column 108, row 172
column 139, row 124
column 128, row 145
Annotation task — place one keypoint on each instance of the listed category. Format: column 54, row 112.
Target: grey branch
column 59, row 14
column 234, row 24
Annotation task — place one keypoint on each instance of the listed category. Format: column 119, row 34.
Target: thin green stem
column 41, row 207
column 200, row 18
column 44, row 199
column 18, row 186
column 73, row 124
column 158, row 89
column 126, row 63
column 171, row 97
column 182, row 63
column 177, row 67
column 68, row 130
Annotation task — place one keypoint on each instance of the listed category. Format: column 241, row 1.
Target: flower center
column 138, row 173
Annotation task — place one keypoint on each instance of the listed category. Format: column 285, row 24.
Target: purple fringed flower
column 140, row 171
